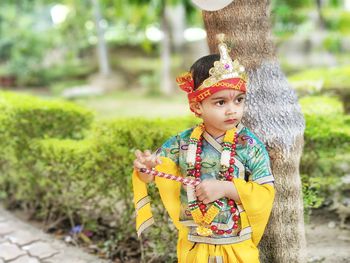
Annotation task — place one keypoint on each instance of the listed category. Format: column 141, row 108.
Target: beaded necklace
column 204, row 214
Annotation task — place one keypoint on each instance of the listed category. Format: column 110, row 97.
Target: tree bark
column 321, row 22
column 101, row 43
column 273, row 114
column 176, row 15
column 166, row 86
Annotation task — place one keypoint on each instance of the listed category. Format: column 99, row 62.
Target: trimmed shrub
column 7, row 149
column 321, row 106
column 32, row 117
column 65, row 176
column 333, row 78
column 24, row 118
column 326, row 149
column 324, row 81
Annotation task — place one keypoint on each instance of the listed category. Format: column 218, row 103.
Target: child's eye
column 220, row 103
column 239, row 100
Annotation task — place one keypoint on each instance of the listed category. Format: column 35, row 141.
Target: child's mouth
column 230, row 121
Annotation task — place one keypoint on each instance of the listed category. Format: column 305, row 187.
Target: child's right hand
column 145, row 160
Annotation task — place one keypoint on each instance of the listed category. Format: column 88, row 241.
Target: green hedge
column 68, row 169
column 332, row 78
column 324, row 81
column 7, row 149
column 24, row 118
column 32, row 117
column 326, row 150
column 321, row 106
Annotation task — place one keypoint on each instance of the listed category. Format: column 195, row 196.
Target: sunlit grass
column 136, row 104
column 321, row 105
column 337, row 77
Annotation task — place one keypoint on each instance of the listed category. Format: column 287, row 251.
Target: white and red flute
column 186, row 181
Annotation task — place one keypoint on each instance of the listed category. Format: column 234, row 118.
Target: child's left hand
column 210, row 190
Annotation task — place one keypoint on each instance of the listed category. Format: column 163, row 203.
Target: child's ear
column 197, row 108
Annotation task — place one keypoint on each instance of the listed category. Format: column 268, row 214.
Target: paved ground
column 327, row 243
column 22, row 243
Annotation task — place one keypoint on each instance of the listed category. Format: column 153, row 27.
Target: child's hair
column 200, row 69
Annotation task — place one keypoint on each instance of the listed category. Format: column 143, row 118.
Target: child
column 222, row 218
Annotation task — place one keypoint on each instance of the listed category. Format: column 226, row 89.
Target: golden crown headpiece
column 225, row 68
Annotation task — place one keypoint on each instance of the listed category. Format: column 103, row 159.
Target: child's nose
column 230, row 109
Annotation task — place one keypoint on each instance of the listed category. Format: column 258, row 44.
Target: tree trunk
column 101, row 42
column 321, row 22
column 273, row 114
column 177, row 20
column 166, row 87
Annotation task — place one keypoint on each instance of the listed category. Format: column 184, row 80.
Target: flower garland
column 203, row 214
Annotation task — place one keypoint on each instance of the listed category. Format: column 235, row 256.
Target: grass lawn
column 135, row 104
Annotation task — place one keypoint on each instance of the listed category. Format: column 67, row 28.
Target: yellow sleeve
column 257, row 202
column 144, row 217
column 169, row 191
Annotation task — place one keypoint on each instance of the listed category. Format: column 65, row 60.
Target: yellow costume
column 256, row 199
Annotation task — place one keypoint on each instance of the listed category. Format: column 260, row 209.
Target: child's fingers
column 139, row 155
column 148, row 153
column 158, row 160
column 139, row 165
column 206, row 201
column 201, row 197
column 155, row 160
column 198, row 191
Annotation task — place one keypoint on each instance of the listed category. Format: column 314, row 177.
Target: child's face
column 221, row 111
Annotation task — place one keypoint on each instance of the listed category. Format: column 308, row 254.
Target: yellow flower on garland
column 230, row 134
column 197, row 132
